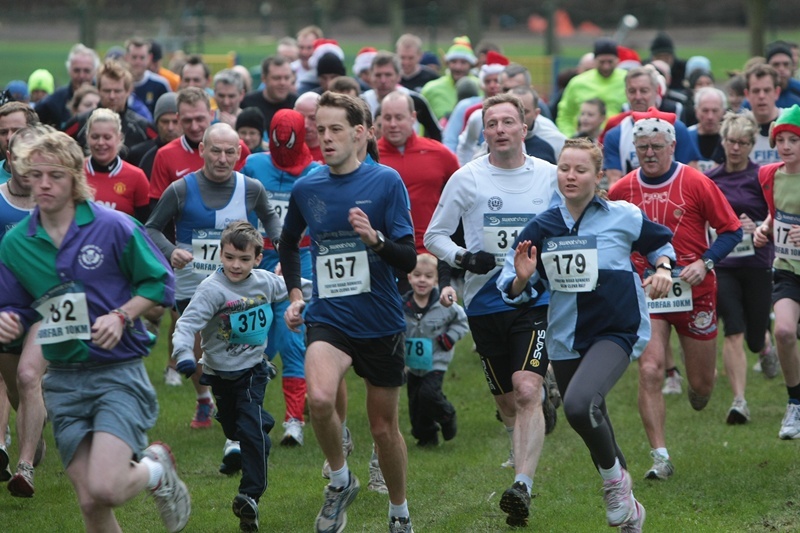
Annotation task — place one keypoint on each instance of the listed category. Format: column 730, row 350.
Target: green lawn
column 728, row 479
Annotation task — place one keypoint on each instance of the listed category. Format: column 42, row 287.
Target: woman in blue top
column 598, row 319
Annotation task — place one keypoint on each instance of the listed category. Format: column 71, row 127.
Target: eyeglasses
column 646, row 147
column 738, row 142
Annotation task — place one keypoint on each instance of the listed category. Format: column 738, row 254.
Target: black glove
column 445, row 342
column 479, row 262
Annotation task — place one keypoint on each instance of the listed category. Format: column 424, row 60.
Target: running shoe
column 516, row 503
column 347, row 448
column 203, row 415
column 399, row 524
column 769, row 363
column 620, row 504
column 662, row 467
column 246, row 510
column 172, row 377
column 332, row 518
column 21, row 484
column 635, row 524
column 449, row 428
column 672, row 383
column 738, row 413
column 171, row 495
column 5, row 470
column 509, row 463
column 293, row 436
column 231, row 458
column 376, row 481
column 790, row 426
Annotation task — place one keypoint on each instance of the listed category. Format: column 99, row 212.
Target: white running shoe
column 672, row 383
column 790, row 426
column 620, row 504
column 662, row 467
column 172, row 377
column 231, row 458
column 171, row 495
column 293, row 436
column 635, row 524
column 333, row 516
column 738, row 413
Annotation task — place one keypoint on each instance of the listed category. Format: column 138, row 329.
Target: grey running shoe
column 246, row 510
column 347, row 448
column 790, row 426
column 171, row 495
column 400, row 525
column 738, row 413
column 5, row 471
column 333, row 516
column 769, row 363
column 293, row 436
column 552, row 388
column 21, row 484
column 620, row 504
column 376, row 481
column 662, row 467
column 697, row 402
column 516, row 503
column 635, row 524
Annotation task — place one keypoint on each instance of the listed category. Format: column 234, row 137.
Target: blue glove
column 187, row 367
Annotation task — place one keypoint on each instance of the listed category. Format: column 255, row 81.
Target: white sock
column 662, row 452
column 525, row 479
column 400, row 511
column 610, row 474
column 204, row 396
column 155, row 469
column 341, row 477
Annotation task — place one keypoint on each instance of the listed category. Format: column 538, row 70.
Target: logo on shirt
column 495, row 203
column 119, row 188
column 318, row 208
column 361, row 202
column 180, row 173
column 90, row 257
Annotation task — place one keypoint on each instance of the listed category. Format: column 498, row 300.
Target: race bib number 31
column 571, row 263
column 206, row 251
column 342, row 268
column 500, row 231
column 65, row 315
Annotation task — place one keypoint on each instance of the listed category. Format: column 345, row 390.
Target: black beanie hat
column 330, row 64
column 251, row 117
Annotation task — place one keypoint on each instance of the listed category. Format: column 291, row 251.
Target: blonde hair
column 58, row 146
column 102, row 114
column 427, row 259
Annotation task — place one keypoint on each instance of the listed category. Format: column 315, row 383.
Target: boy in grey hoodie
column 232, row 311
column 432, row 329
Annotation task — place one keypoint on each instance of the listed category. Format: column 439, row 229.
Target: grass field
column 728, row 479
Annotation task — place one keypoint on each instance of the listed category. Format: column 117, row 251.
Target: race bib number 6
column 65, row 315
column 342, row 268
column 679, row 298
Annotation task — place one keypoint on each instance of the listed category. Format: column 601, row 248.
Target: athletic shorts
column 181, row 305
column 743, row 300
column 115, row 398
column 785, row 285
column 700, row 323
column 379, row 360
column 509, row 342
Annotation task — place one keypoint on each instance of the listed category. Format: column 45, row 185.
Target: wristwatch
column 381, row 242
column 709, row 263
column 665, row 265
